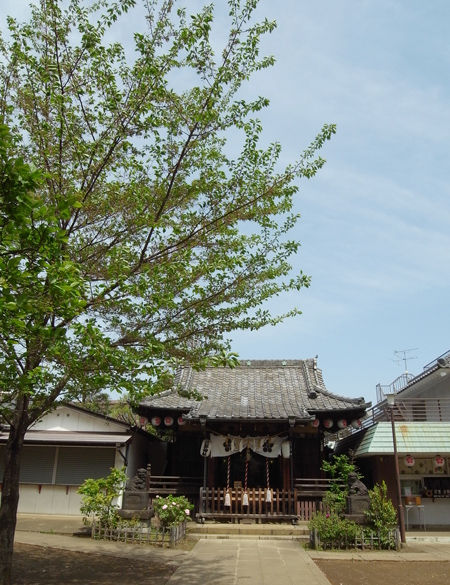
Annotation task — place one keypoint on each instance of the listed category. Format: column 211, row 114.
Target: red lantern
column 409, row 461
column 168, row 421
column 342, row 424
column 439, row 461
column 315, row 423
column 327, row 423
column 356, row 424
column 156, row 421
column 181, row 421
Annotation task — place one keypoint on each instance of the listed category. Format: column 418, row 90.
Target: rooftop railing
column 410, row 410
column 404, row 410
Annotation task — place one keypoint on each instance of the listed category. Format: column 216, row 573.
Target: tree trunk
column 10, row 490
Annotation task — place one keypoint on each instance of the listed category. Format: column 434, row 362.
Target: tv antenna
column 401, row 355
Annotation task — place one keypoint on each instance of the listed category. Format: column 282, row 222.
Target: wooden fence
column 254, row 505
column 140, row 534
column 364, row 540
column 301, row 503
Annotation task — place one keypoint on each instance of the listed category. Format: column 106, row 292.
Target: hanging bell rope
column 227, row 502
column 268, row 491
column 245, row 495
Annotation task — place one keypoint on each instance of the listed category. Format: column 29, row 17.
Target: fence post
column 314, row 539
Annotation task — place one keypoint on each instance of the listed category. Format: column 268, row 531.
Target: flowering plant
column 172, row 510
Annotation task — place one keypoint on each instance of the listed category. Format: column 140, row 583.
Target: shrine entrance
column 256, row 471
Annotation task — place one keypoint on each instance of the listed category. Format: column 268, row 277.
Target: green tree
column 150, row 240
column 38, row 281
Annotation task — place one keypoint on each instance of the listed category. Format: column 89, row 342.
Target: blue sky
column 375, row 221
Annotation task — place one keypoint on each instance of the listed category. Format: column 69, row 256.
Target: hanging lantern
column 245, row 499
column 327, row 423
column 286, row 449
column 168, row 421
column 156, row 421
column 181, row 421
column 227, row 502
column 342, row 423
column 356, row 424
column 439, row 461
column 143, row 421
column 315, row 423
column 409, row 461
column 268, row 495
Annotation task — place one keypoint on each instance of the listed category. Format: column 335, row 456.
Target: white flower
column 187, row 512
column 164, row 507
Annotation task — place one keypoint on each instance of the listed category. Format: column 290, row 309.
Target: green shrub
column 335, row 502
column 381, row 516
column 334, row 531
column 172, row 510
column 98, row 495
column 338, row 469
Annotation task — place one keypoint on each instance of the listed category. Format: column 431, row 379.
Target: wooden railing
column 298, row 504
column 312, row 487
column 163, row 485
column 282, row 504
column 305, row 508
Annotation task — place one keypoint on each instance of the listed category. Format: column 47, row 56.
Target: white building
column 67, row 446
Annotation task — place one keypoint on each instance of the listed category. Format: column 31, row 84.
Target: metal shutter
column 75, row 464
column 37, row 464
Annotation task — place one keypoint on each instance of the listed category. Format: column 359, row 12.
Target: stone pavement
column 248, row 562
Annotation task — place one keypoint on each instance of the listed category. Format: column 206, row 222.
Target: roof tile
column 258, row 389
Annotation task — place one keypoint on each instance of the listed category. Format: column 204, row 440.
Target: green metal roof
column 412, row 437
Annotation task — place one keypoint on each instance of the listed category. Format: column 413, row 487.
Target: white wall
column 64, row 418
column 51, row 499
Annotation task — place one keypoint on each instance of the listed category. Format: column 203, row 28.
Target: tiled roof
column 256, row 390
column 412, row 437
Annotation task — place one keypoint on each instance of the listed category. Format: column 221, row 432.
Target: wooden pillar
column 211, row 471
column 286, row 473
column 205, row 459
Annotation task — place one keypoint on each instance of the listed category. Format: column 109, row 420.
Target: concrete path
column 229, row 561
column 248, row 562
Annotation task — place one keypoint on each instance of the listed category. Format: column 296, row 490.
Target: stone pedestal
column 135, row 500
column 357, row 504
column 143, row 515
column 357, row 507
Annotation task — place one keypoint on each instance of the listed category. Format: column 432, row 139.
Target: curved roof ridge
column 323, row 390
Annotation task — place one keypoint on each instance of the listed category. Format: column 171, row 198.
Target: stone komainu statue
column 136, row 498
column 356, row 486
column 138, row 482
